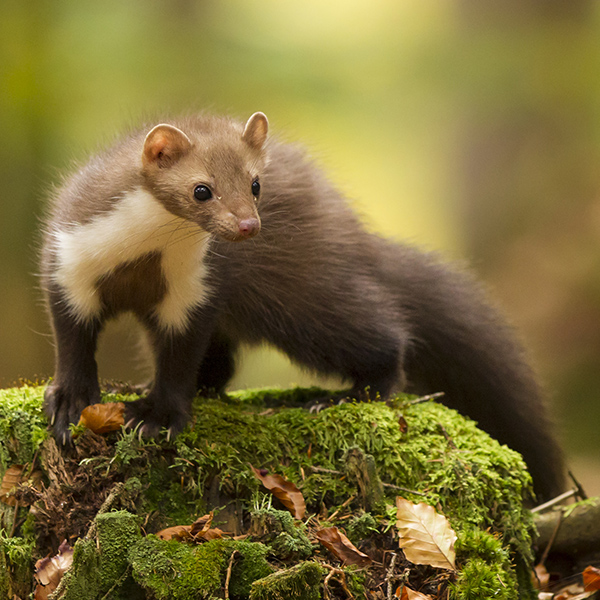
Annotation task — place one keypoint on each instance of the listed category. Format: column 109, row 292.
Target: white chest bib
column 139, row 224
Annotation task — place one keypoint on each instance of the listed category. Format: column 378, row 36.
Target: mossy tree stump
column 107, row 496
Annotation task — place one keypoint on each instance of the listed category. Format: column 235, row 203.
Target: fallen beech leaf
column 591, row 579
column 408, row 594
column 212, row 534
column 285, row 491
column 199, row 530
column 102, row 418
column 425, row 536
column 202, row 524
column 337, row 543
column 11, row 479
column 177, row 532
column 49, row 571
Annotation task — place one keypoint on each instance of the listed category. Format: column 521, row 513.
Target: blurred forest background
column 472, row 127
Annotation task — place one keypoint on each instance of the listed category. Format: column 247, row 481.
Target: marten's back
column 313, row 262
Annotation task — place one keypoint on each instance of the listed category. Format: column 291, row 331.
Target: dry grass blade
column 103, row 418
column 343, row 549
column 425, row 535
column 285, row 491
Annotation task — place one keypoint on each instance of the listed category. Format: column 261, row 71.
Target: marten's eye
column 255, row 188
column 202, row 193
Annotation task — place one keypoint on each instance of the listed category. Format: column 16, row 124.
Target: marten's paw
column 63, row 406
column 152, row 416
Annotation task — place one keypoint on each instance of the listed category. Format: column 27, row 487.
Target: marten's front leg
column 177, row 359
column 75, row 383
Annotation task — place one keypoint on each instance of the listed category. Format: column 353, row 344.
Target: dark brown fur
column 314, row 283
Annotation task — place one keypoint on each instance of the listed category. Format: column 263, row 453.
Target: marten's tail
column 463, row 347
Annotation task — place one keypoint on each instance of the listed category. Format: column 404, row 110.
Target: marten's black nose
column 248, row 227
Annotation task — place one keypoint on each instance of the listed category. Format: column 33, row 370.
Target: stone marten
column 214, row 236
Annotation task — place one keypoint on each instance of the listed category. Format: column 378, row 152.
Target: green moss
column 82, row 580
column 22, row 425
column 282, row 533
column 356, row 581
column 5, row 586
column 486, row 569
column 170, row 569
column 252, row 566
column 478, row 484
column 478, row 580
column 300, row 582
column 261, row 397
column 16, row 563
column 117, row 532
column 360, row 527
column 100, row 564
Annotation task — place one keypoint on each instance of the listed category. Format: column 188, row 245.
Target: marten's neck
column 137, row 226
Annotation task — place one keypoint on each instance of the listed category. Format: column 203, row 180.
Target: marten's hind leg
column 379, row 373
column 218, row 365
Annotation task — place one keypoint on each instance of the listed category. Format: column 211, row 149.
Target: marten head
column 207, row 171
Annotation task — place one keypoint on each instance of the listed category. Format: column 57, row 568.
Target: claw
column 169, row 431
column 64, row 439
column 53, row 418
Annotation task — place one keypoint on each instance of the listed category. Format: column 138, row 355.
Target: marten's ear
column 255, row 132
column 164, row 145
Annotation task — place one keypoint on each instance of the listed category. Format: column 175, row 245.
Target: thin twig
column 552, row 538
column 447, row 436
column 108, row 502
column 324, row 470
column 402, row 489
column 390, row 575
column 346, row 502
column 580, row 491
column 229, row 569
column 554, row 501
column 425, row 398
column 342, row 580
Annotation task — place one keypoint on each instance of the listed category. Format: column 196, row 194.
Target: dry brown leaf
column 199, row 530
column 285, row 491
column 402, row 424
column 11, row 479
column 425, row 535
column 102, row 418
column 337, row 543
column 202, row 524
column 212, row 534
column 591, row 579
column 49, row 571
column 177, row 532
column 408, row 594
